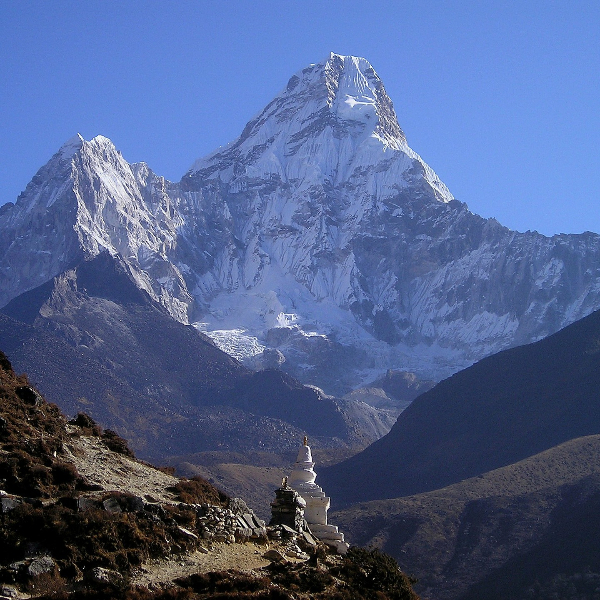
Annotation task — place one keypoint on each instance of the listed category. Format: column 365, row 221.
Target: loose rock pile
column 233, row 524
column 294, row 544
column 123, row 531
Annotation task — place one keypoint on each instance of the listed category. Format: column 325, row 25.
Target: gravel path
column 241, row 557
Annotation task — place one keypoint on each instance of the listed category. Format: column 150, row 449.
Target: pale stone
column 8, row 591
column 187, row 533
column 273, row 555
column 7, row 504
column 102, row 575
column 41, row 565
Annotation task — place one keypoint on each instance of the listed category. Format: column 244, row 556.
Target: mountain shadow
column 527, row 530
column 97, row 343
column 505, row 408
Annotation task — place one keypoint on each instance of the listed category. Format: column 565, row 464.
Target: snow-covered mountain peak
column 102, row 148
column 71, row 146
column 86, row 200
column 318, row 236
column 98, row 146
column 331, row 118
column 356, row 93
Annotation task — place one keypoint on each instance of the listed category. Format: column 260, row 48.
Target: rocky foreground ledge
column 82, row 518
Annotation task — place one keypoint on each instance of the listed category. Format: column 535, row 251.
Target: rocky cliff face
column 318, row 240
column 87, row 200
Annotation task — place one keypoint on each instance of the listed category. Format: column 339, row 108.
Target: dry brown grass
column 453, row 536
column 199, row 491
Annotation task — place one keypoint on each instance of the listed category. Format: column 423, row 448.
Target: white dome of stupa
column 302, row 480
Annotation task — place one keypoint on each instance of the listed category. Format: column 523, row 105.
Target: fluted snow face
column 87, row 200
column 318, row 232
column 38, row 237
column 331, row 122
column 324, row 160
column 339, row 228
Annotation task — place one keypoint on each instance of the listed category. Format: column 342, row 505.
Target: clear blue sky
column 501, row 98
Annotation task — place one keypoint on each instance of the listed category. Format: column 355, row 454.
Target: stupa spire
column 302, row 480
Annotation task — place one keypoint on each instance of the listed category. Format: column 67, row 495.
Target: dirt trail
column 112, row 471
column 241, row 557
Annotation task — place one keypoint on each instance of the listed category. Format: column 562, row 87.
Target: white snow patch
column 236, row 342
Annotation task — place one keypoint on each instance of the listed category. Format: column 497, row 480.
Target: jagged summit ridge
column 87, row 200
column 332, row 120
column 356, row 92
column 71, row 146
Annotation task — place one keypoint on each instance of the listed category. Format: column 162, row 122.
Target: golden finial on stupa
column 306, row 440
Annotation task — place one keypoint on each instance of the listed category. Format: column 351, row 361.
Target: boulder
column 107, row 576
column 8, row 591
column 8, row 503
column 40, row 565
column 274, row 556
column 111, row 505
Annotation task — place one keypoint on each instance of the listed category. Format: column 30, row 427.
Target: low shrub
column 375, row 575
column 199, row 491
column 87, row 425
column 116, row 443
column 91, row 538
column 64, row 473
column 223, row 581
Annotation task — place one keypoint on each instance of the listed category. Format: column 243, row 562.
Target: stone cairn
column 288, row 508
column 288, row 524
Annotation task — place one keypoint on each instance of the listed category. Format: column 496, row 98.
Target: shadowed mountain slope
column 96, row 342
column 528, row 530
column 500, row 410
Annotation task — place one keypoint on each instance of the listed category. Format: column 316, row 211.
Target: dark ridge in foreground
column 501, row 410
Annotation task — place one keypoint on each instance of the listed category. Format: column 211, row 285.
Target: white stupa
column 317, row 504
